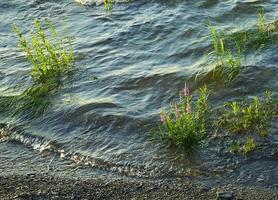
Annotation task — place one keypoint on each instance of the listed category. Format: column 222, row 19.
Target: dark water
column 141, row 53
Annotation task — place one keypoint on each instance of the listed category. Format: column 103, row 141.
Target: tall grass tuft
column 185, row 125
column 50, row 56
column 263, row 35
column 108, row 5
column 227, row 62
column 257, row 37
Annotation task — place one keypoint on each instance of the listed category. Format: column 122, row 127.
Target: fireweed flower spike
column 186, row 90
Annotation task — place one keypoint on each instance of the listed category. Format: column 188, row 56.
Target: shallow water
column 141, row 53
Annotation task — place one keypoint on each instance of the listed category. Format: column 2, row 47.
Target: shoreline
column 43, row 186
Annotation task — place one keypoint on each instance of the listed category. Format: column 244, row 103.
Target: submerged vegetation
column 190, row 120
column 186, row 124
column 51, row 57
column 245, row 117
column 249, row 146
column 108, row 5
column 249, row 118
column 226, row 63
column 188, row 129
column 229, row 49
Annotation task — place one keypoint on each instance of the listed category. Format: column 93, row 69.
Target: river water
column 141, row 53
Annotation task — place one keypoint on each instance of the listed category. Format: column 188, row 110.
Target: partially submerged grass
column 188, row 123
column 245, row 117
column 108, row 5
column 235, row 147
column 261, row 25
column 249, row 118
column 249, row 146
column 185, row 125
column 229, row 49
column 32, row 102
column 254, row 38
column 51, row 58
column 227, row 62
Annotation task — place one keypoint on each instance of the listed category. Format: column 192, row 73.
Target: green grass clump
column 227, row 60
column 50, row 56
column 261, row 24
column 185, row 125
column 108, row 5
column 254, row 38
column 235, row 147
column 263, row 34
column 229, row 49
column 32, row 101
column 51, row 59
column 249, row 146
column 245, row 117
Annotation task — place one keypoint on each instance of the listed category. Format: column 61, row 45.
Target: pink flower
column 188, row 107
column 177, row 111
column 186, row 90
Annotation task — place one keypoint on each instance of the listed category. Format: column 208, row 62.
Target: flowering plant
column 182, row 125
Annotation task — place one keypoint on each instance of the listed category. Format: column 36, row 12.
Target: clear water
column 141, row 53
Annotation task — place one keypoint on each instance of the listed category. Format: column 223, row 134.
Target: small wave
column 9, row 133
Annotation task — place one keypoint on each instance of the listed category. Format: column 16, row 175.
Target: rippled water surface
column 141, row 53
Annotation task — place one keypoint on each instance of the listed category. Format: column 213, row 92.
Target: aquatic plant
column 263, row 35
column 227, row 63
column 235, row 147
column 256, row 37
column 185, row 125
column 245, row 117
column 229, row 48
column 261, row 24
column 249, row 146
column 108, row 5
column 33, row 101
column 50, row 56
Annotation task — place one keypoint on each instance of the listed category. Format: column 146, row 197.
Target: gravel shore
column 41, row 186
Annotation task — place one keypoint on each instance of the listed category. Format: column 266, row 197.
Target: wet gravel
column 43, row 186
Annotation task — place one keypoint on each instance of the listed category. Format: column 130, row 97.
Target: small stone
column 225, row 196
